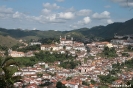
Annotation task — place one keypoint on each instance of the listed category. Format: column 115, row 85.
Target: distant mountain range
column 121, row 28
column 105, row 32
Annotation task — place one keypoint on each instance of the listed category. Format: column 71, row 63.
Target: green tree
column 68, row 78
column 107, row 79
column 60, row 85
column 6, row 72
column 93, row 82
column 85, row 83
column 109, row 52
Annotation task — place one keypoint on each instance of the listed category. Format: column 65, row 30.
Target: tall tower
column 60, row 37
column 72, row 38
column 65, row 37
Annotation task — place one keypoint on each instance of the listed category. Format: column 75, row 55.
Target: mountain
column 121, row 28
column 8, row 41
column 29, row 34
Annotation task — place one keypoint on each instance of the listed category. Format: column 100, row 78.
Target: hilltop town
column 92, row 65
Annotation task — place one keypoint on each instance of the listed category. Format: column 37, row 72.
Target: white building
column 16, row 54
column 64, row 41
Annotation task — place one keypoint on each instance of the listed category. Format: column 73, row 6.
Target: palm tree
column 7, row 68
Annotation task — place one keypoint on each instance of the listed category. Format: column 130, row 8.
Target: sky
column 62, row 15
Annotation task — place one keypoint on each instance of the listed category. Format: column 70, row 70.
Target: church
column 65, row 41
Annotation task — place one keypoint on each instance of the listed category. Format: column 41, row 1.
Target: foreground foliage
column 7, row 68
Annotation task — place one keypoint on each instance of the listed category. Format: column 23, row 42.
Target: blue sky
column 63, row 14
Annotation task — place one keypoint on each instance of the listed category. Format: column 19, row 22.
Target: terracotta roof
column 64, row 82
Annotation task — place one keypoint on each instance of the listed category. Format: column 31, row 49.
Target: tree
column 107, row 79
column 85, row 83
column 109, row 52
column 60, row 85
column 93, row 82
column 6, row 72
column 68, row 78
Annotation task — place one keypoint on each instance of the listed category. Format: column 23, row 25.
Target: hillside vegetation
column 7, row 41
column 101, row 32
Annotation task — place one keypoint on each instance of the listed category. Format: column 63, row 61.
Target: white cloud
column 124, row 3
column 103, row 15
column 5, row 10
column 50, row 6
column 66, row 15
column 17, row 15
column 84, row 12
column 52, row 18
column 60, row 0
column 86, row 20
column 46, row 11
column 109, row 21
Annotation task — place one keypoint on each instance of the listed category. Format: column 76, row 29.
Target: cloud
column 17, row 15
column 124, row 3
column 66, row 15
column 46, row 11
column 103, row 15
column 5, row 10
column 50, row 6
column 84, row 12
column 53, row 18
column 60, row 0
column 86, row 20
column 109, row 21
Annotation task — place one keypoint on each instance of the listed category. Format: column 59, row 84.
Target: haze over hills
column 121, row 28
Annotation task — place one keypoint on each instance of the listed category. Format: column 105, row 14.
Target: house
column 117, row 82
column 52, row 47
column 117, row 41
column 86, row 68
column 72, row 52
column 81, row 54
column 68, row 47
column 72, row 85
column 28, row 73
column 18, row 84
column 16, row 54
column 29, row 54
column 46, row 47
column 47, row 76
column 79, row 46
column 32, row 86
column 35, row 43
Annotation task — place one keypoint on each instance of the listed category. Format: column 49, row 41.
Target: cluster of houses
column 91, row 66
column 123, row 40
column 66, row 45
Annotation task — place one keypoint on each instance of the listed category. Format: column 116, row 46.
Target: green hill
column 7, row 41
column 121, row 28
